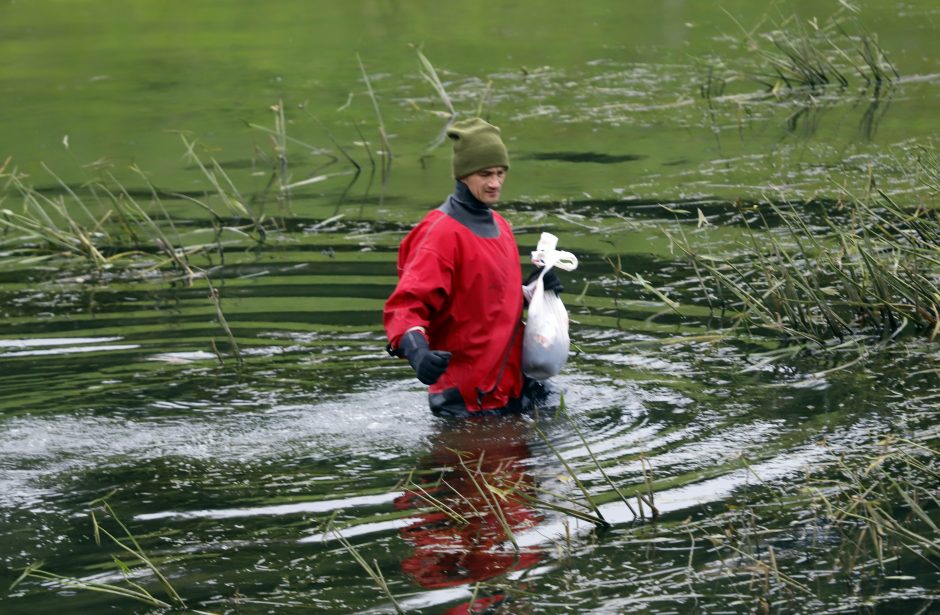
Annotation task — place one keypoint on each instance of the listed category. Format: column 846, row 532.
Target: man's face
column 486, row 184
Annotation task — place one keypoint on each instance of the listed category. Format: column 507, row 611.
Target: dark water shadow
column 581, row 157
column 718, row 210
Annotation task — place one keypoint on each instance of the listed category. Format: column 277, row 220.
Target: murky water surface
column 254, row 486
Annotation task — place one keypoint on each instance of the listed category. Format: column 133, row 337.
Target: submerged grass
column 798, row 54
column 852, row 529
column 127, row 545
column 804, row 66
column 372, row 570
column 880, row 507
column 871, row 271
column 105, row 226
column 386, row 151
column 892, row 501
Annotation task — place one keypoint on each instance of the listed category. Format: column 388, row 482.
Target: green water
column 227, row 473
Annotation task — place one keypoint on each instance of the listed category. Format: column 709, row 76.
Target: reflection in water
column 875, row 111
column 471, row 480
column 805, row 118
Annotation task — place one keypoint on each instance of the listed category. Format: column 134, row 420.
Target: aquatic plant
column 372, row 570
column 797, row 54
column 449, row 114
column 46, row 226
column 804, row 66
column 587, row 496
column 128, row 545
column 386, row 151
column 891, row 501
column 927, row 163
column 647, row 478
column 876, row 510
column 863, row 523
column 871, row 270
column 35, row 221
column 429, row 74
column 116, row 233
column 114, row 239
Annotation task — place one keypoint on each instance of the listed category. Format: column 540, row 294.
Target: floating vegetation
column 805, row 66
column 139, row 565
column 871, row 270
column 372, row 570
column 800, row 54
column 386, row 151
column 127, row 234
column 860, row 527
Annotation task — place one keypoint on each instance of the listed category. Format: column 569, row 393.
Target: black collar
column 471, row 212
column 463, row 196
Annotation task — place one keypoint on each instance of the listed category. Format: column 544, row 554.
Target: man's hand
column 549, row 282
column 428, row 364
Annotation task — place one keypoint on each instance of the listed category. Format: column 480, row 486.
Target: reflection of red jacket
column 465, row 290
column 449, row 553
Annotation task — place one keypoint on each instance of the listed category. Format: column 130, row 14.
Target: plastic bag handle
column 556, row 258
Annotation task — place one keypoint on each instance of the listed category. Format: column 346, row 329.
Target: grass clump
column 799, row 54
column 891, row 502
column 804, row 66
column 869, row 269
column 109, row 226
column 124, row 236
column 122, row 232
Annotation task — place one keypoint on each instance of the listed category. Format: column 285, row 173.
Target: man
column 456, row 314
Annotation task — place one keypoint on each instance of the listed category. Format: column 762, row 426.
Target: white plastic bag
column 545, row 343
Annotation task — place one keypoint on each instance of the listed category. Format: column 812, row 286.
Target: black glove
column 550, row 281
column 428, row 364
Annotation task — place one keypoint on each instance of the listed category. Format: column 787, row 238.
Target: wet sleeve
column 424, row 285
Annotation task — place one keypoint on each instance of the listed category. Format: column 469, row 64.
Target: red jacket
column 465, row 289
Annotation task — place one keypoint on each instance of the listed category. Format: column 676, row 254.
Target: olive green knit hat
column 476, row 146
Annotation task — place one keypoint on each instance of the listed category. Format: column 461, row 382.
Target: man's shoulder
column 434, row 219
column 434, row 230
